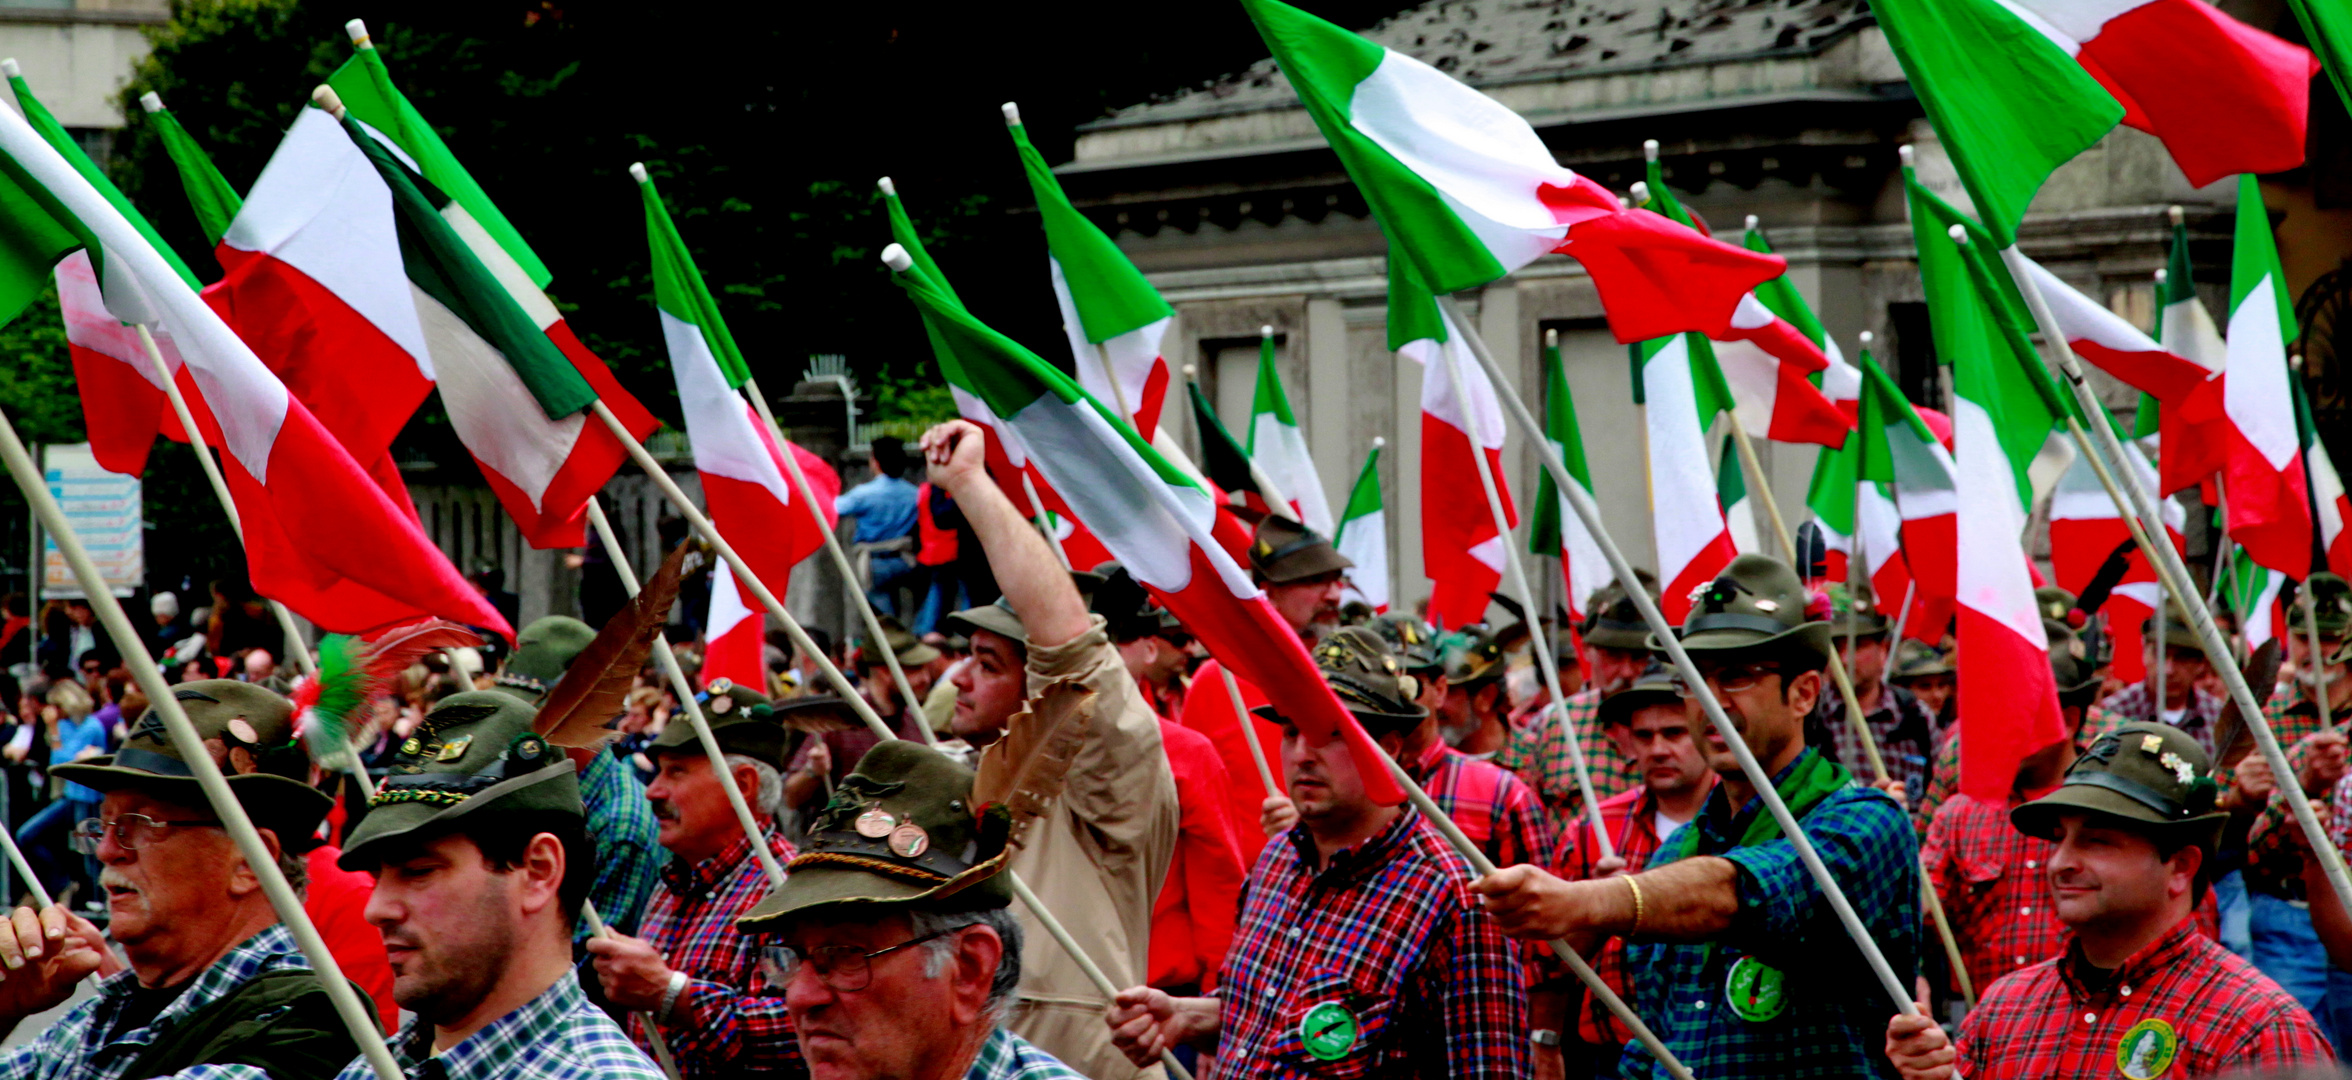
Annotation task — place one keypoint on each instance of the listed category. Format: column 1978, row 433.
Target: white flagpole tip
column 151, row 101
column 1649, row 149
column 1379, row 441
column 1190, row 371
column 1909, row 156
column 1012, row 113
column 2160, row 275
column 1641, row 192
column 1867, row 338
column 886, row 186
column 8, row 67
column 1266, row 331
column 896, row 258
column 1959, row 234
column 1551, row 339
column 637, row 172
column 1624, row 203
column 2178, row 215
column 326, row 98
column 357, row 28
column 1752, row 222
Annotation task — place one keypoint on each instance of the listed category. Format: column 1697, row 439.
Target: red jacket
column 1209, row 711
column 1192, row 921
column 337, row 904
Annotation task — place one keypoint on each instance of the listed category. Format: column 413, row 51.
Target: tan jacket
column 1097, row 861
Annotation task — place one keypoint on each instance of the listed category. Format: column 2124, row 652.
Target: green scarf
column 1811, row 780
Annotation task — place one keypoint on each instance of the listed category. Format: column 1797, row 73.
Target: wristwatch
column 1544, row 1037
column 679, row 981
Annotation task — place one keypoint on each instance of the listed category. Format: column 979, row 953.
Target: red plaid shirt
column 1495, row 809
column 1995, row 885
column 2181, row 1007
column 728, row 1022
column 1946, row 776
column 1384, row 938
column 1632, row 818
column 1538, row 754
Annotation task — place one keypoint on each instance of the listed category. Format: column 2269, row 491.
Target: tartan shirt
column 728, row 1021
column 1006, row 1056
column 1537, row 753
column 1945, row 779
column 1386, row 935
column 1834, row 1022
column 84, row 1045
column 2045, row 1023
column 2274, row 863
column 2134, row 703
column 1632, row 819
column 555, row 1036
column 1995, row 885
column 629, row 854
column 1903, row 728
column 1494, row 808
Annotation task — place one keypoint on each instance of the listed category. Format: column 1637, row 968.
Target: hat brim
column 1309, row 562
column 989, row 617
column 1608, row 634
column 2039, row 818
column 918, row 656
column 1375, row 723
column 815, row 888
column 1619, row 708
column 278, row 803
column 1812, row 635
column 554, row 786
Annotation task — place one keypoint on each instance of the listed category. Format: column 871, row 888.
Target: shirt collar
column 2153, row 957
column 1716, row 816
column 491, row 1051
column 686, row 879
column 1426, row 765
column 266, row 950
column 1352, row 861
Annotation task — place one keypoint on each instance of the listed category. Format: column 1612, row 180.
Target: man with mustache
column 693, row 972
column 1617, row 643
column 1356, row 954
column 2138, row 990
column 480, row 851
column 1734, row 954
column 214, row 980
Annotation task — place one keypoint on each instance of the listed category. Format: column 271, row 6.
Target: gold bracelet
column 1638, row 907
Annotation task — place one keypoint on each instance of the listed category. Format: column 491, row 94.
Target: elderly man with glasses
column 213, row 979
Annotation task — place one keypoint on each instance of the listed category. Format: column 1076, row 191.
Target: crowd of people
column 2141, row 903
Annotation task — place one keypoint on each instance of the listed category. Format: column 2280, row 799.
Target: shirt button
column 2031, row 864
column 2090, row 1018
column 2021, row 960
column 2127, row 991
column 1294, row 931
column 2025, row 911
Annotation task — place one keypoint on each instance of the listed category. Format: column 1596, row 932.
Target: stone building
column 1790, row 110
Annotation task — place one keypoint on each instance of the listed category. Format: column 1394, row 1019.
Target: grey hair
column 939, row 951
column 769, row 799
column 296, row 868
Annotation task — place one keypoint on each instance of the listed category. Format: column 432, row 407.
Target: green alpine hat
column 1283, row 551
column 1656, row 685
column 474, row 754
column 1368, row 680
column 1756, row 601
column 910, row 650
column 998, row 617
column 2152, row 777
column 1612, row 621
column 1473, row 656
column 2178, row 635
column 2055, row 603
column 741, row 719
column 252, row 738
column 2331, row 598
column 542, row 651
column 2072, row 668
column 1415, row 643
column 899, row 832
column 1852, row 615
column 1918, row 659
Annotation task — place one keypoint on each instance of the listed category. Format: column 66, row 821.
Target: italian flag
column 214, row 202
column 2328, row 27
column 734, row 635
column 320, row 536
column 2329, row 503
column 2086, row 530
column 1229, row 466
column 2252, row 590
column 1466, row 191
column 1114, row 318
column 745, row 482
column 2195, row 428
column 1731, row 493
column 1461, row 549
column 1279, row 447
column 2015, row 88
column 1153, row 517
column 1897, row 484
column 1008, row 457
column 1363, row 535
column 1555, row 529
column 1684, row 392
column 2264, row 488
column 2004, row 409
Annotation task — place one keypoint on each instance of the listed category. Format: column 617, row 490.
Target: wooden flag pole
column 2138, row 510
column 1517, row 576
column 1663, row 631
column 667, row 659
column 1249, row 730
column 2318, row 662
column 357, row 1016
column 653, row 1032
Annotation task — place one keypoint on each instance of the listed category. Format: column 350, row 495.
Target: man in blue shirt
column 885, row 511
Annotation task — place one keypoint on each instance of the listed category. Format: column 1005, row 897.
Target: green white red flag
column 210, row 197
column 1554, row 528
column 2265, row 491
column 1461, row 549
column 1739, row 511
column 1280, row 448
column 1363, row 535
column 2086, row 530
column 1684, row 392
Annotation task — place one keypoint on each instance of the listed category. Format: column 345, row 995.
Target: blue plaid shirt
column 556, row 1036
column 629, row 855
column 1834, row 1013
column 1006, row 1056
column 85, row 1046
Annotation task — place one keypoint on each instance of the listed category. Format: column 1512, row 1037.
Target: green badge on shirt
column 1328, row 1031
column 1754, row 990
column 2147, row 1049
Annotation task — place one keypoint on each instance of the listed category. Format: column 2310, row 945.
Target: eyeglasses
column 1731, row 679
column 131, row 831
column 842, row 968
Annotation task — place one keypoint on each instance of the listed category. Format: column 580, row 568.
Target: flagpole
column 667, row 659
column 359, row 1018
column 1043, row 522
column 2318, row 663
column 1249, row 730
column 653, row 1032
column 808, row 498
column 1545, row 660
column 2170, row 567
column 1663, row 632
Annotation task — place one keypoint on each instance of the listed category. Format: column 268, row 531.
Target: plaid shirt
column 1006, row 1056
column 1385, row 936
column 84, row 1045
column 727, row 1021
column 1995, row 886
column 555, row 1036
column 2274, row 861
column 1632, row 818
column 1903, row 728
column 1540, row 756
column 2044, row 1023
column 1494, row 808
column 1834, row 1020
column 1946, row 778
column 629, row 855
column 2134, row 703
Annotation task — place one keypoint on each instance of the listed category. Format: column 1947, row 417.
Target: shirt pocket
column 1337, row 1027
column 1982, row 872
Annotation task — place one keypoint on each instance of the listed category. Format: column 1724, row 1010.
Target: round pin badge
column 1328, row 1031
column 909, row 841
column 2147, row 1049
column 244, row 731
column 1755, row 990
column 876, row 823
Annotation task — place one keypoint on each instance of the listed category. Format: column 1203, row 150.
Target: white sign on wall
column 104, row 511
